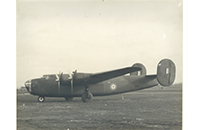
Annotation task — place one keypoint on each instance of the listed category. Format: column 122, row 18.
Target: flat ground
column 150, row 109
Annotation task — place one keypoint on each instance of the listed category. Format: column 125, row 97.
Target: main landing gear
column 87, row 96
column 41, row 99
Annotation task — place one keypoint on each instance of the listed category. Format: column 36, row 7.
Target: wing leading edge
column 99, row 77
column 86, row 79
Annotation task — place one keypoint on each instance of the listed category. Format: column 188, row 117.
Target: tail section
column 166, row 71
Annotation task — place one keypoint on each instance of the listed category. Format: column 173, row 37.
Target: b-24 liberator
column 87, row 85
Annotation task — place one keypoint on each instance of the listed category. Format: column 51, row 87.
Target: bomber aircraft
column 87, row 85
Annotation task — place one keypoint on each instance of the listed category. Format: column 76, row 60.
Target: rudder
column 166, row 71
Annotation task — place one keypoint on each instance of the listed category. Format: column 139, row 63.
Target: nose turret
column 28, row 85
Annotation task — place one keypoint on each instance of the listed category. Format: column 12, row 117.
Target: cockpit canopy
column 51, row 76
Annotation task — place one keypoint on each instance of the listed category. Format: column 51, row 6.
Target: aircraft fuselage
column 50, row 88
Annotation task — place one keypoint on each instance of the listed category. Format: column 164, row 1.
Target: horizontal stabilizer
column 151, row 76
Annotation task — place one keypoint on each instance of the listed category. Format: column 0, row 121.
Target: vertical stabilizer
column 143, row 70
column 166, row 71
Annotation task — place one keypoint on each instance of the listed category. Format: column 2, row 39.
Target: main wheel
column 41, row 99
column 68, row 98
column 87, row 96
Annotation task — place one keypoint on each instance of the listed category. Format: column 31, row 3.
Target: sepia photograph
column 99, row 64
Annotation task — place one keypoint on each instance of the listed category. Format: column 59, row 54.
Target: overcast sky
column 96, row 36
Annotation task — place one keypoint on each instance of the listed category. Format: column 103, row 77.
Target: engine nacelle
column 166, row 71
column 141, row 72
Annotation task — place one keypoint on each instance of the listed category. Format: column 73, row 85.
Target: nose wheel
column 41, row 99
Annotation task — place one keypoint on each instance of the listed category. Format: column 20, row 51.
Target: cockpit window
column 49, row 76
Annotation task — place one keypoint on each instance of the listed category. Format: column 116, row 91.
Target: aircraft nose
column 28, row 85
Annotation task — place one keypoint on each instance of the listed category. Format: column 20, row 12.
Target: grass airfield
column 150, row 109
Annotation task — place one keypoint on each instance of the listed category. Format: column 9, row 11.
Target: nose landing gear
column 41, row 99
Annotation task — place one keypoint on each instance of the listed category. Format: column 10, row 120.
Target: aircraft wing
column 96, row 78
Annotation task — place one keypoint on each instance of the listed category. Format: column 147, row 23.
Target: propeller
column 72, row 77
column 59, row 77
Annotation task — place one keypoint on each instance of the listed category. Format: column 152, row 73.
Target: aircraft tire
column 87, row 97
column 68, row 98
column 41, row 99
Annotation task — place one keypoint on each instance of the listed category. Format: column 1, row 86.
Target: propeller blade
column 70, row 75
column 75, row 72
column 59, row 76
